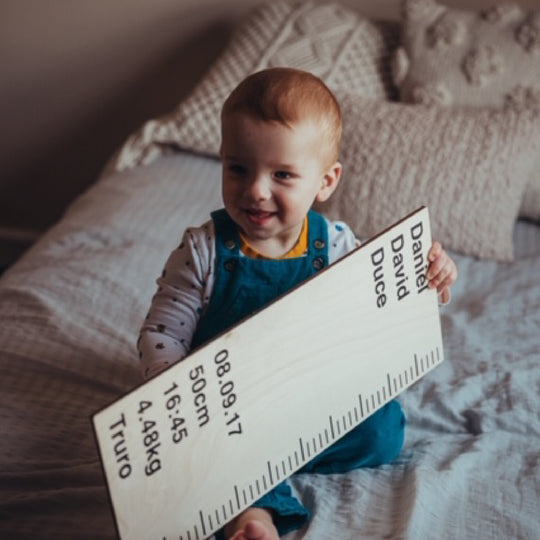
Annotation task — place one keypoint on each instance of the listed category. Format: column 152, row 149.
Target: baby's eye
column 236, row 169
column 282, row 175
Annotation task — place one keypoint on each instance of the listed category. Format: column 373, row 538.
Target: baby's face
column 271, row 176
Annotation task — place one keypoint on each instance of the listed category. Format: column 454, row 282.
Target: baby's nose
column 259, row 188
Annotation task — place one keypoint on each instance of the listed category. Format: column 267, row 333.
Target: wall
column 79, row 75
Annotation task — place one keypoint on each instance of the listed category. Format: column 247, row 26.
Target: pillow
column 487, row 58
column 468, row 166
column 333, row 42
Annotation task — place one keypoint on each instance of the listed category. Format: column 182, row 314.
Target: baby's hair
column 287, row 95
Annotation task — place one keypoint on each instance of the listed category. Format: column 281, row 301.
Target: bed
column 71, row 307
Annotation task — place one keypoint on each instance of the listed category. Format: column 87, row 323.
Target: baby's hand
column 441, row 272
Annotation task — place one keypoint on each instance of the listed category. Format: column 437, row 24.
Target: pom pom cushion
column 486, row 58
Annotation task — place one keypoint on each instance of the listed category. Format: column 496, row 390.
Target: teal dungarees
column 244, row 285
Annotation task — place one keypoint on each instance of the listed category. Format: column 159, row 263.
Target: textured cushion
column 468, row 166
column 335, row 43
column 486, row 58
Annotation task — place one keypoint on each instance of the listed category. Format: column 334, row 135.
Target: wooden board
column 190, row 449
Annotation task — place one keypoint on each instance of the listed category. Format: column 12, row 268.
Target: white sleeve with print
column 184, row 290
column 341, row 240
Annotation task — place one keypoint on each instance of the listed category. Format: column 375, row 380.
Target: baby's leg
column 253, row 524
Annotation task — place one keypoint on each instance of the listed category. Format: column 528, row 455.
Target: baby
column 281, row 131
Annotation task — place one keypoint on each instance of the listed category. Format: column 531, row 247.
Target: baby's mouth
column 258, row 217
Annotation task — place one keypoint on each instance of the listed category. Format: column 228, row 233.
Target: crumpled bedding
column 70, row 310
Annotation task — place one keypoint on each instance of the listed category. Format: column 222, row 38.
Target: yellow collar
column 298, row 250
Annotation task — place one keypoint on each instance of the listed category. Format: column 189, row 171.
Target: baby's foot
column 253, row 524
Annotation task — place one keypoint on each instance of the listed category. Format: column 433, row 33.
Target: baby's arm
column 441, row 272
column 166, row 333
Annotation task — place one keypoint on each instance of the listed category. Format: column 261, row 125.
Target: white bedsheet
column 69, row 314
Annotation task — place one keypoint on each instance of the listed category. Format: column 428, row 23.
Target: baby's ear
column 330, row 182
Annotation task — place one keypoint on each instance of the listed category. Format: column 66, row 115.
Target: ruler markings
column 332, row 428
column 321, row 440
column 270, row 473
column 278, row 477
column 361, row 405
column 302, row 450
column 202, row 523
column 238, row 505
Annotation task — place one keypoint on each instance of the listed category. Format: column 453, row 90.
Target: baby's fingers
column 435, row 251
column 444, row 283
column 442, row 271
column 444, row 296
column 438, row 264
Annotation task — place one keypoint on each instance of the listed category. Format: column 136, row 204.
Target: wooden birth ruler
column 191, row 448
